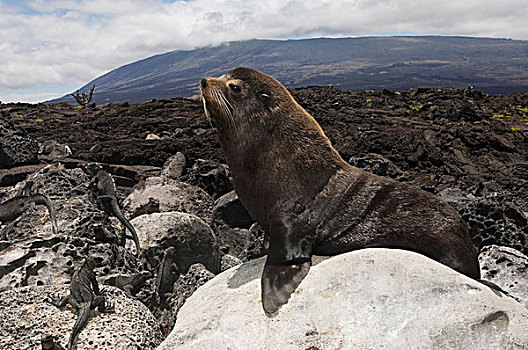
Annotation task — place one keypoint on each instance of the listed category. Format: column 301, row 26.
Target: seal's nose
column 203, row 83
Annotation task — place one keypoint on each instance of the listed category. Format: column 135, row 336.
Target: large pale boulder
column 25, row 318
column 366, row 299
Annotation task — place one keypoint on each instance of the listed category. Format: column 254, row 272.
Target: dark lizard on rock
column 131, row 284
column 14, row 207
column 48, row 343
column 168, row 272
column 105, row 187
column 83, row 298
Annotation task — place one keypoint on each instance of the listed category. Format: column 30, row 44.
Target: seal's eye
column 234, row 88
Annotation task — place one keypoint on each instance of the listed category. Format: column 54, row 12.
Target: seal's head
column 242, row 100
column 268, row 138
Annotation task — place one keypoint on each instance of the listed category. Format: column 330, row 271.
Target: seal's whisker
column 207, row 114
column 229, row 111
column 223, row 107
column 218, row 102
column 228, row 104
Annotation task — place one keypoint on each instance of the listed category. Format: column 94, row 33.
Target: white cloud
column 52, row 43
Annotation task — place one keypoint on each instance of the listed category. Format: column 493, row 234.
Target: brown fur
column 307, row 198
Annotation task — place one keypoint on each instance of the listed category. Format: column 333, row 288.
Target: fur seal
column 307, row 198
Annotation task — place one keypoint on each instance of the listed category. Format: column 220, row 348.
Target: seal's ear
column 265, row 99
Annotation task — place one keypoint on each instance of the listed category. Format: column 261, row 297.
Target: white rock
column 25, row 318
column 152, row 137
column 33, row 263
column 366, row 299
column 508, row 268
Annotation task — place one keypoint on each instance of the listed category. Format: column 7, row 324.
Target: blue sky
column 52, row 47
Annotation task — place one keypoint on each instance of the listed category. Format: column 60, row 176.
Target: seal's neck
column 293, row 160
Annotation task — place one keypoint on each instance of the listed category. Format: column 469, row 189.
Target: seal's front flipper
column 279, row 281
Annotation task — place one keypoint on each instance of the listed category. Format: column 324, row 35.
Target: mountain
column 495, row 66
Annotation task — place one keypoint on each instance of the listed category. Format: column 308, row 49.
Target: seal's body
column 307, row 198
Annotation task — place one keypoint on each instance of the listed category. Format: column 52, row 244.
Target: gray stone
column 25, row 263
column 174, row 166
column 211, row 176
column 171, row 195
column 507, row 268
column 25, row 317
column 229, row 261
column 492, row 215
column 194, row 241
column 241, row 243
column 366, row 299
column 187, row 284
column 54, row 149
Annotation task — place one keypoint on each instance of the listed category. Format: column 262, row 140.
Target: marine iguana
column 14, row 207
column 105, row 187
column 48, row 343
column 82, row 298
column 129, row 283
column 168, row 272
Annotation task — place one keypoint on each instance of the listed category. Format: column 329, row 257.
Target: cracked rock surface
column 25, row 318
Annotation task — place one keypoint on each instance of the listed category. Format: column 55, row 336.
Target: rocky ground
column 469, row 148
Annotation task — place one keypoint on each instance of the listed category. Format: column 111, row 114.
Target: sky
column 52, row 47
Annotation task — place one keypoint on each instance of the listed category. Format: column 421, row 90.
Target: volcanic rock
column 377, row 164
column 507, row 268
column 10, row 177
column 174, row 167
column 211, row 176
column 25, row 318
column 32, row 254
column 492, row 215
column 54, row 149
column 187, row 284
column 230, row 210
column 16, row 146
